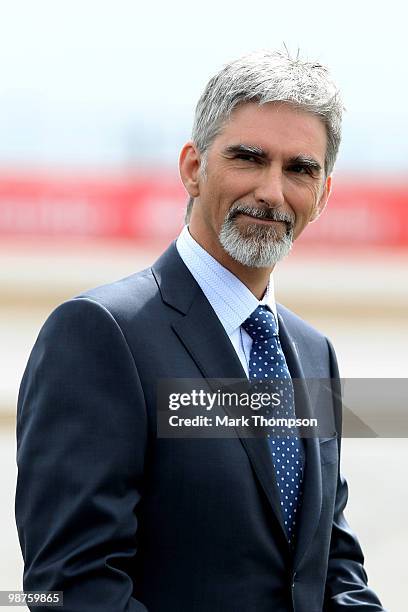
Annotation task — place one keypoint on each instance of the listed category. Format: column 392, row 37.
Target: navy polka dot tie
column 267, row 363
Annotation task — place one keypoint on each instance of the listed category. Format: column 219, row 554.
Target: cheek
column 314, row 192
column 303, row 203
column 304, row 200
column 215, row 201
column 233, row 185
column 223, row 192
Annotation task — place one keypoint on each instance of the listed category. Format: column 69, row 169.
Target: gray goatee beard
column 256, row 246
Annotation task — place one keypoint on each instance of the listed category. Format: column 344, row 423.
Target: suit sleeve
column 346, row 584
column 81, row 442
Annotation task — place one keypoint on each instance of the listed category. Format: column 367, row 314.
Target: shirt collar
column 231, row 300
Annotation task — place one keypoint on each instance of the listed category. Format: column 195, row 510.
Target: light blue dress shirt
column 230, row 299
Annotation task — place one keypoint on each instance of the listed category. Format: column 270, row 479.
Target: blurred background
column 96, row 99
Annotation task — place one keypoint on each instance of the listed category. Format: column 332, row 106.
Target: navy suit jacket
column 121, row 520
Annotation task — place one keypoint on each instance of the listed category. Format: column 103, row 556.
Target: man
column 120, row 519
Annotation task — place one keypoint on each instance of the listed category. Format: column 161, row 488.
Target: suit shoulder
column 298, row 327
column 314, row 347
column 102, row 311
column 131, row 293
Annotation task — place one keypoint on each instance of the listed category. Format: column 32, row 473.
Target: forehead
column 275, row 127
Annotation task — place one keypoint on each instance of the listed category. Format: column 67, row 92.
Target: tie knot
column 261, row 324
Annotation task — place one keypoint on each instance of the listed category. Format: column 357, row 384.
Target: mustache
column 270, row 214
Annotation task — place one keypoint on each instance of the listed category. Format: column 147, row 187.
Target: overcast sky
column 109, row 83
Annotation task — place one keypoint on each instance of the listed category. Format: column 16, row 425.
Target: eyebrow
column 304, row 160
column 248, row 149
column 307, row 161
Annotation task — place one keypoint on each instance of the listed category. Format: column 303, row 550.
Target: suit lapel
column 199, row 329
column 312, row 484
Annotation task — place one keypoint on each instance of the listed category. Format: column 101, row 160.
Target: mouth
column 264, row 220
column 259, row 219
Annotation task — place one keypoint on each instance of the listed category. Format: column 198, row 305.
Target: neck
column 256, row 279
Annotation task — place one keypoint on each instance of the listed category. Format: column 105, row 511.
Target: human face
column 268, row 161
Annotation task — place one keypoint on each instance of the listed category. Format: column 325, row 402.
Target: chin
column 256, row 246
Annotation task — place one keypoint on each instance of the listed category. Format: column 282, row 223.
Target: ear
column 321, row 204
column 189, row 166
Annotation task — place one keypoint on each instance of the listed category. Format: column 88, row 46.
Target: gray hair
column 268, row 76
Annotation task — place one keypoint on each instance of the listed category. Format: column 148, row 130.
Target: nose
column 269, row 190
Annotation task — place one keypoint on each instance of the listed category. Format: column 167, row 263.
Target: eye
column 247, row 157
column 301, row 169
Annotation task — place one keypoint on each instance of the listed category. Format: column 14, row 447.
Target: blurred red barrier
column 362, row 213
column 151, row 207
